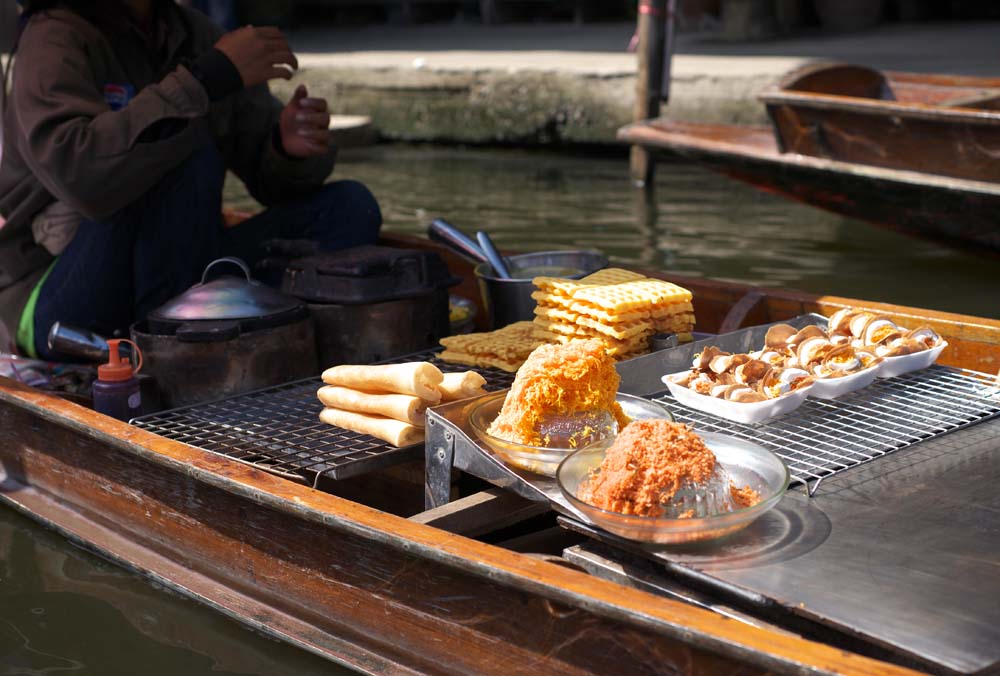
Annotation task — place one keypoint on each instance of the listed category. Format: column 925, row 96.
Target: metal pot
column 509, row 300
column 224, row 337
column 370, row 303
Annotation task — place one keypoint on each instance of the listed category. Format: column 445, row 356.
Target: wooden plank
column 481, row 513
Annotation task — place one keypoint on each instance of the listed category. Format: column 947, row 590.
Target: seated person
column 122, row 119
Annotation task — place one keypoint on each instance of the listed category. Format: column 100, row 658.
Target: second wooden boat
column 915, row 153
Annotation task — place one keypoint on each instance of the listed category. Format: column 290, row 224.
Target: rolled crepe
column 418, row 378
column 461, row 385
column 395, row 432
column 404, row 407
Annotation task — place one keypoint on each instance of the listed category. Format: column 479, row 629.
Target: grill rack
column 824, row 437
column 277, row 429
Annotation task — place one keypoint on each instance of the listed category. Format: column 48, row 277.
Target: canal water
column 64, row 611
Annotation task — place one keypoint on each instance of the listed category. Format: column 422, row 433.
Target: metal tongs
column 444, row 232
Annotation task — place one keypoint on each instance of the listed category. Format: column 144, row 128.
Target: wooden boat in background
column 917, row 153
column 362, row 577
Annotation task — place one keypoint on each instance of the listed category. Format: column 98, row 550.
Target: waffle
column 618, row 307
column 612, row 276
column 505, row 348
column 630, row 296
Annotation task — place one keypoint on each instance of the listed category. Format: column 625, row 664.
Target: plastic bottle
column 116, row 390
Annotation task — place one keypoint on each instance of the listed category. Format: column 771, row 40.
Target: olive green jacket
column 96, row 117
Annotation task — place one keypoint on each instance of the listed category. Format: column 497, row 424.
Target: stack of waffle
column 620, row 308
column 505, row 348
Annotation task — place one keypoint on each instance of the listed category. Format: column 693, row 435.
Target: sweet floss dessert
column 649, row 467
column 559, row 381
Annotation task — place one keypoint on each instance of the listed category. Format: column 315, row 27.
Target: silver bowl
column 509, row 300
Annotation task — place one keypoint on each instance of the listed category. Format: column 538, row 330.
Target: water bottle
column 116, row 390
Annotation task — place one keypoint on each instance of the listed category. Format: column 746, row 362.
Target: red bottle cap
column 118, row 368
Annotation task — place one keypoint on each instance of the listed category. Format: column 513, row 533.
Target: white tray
column 897, row 366
column 831, row 388
column 747, row 413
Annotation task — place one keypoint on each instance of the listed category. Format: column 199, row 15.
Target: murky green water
column 65, row 611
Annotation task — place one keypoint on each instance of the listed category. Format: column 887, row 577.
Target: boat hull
column 956, row 211
column 858, row 115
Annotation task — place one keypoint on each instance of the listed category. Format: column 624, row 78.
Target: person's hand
column 259, row 54
column 305, row 126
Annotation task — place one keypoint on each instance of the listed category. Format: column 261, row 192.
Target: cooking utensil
column 226, row 336
column 224, row 308
column 74, row 341
column 509, row 300
column 372, row 303
column 444, row 232
column 494, row 257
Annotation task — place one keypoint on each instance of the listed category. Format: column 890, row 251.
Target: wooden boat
column 917, row 153
column 363, row 577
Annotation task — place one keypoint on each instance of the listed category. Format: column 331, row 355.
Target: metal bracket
column 439, row 457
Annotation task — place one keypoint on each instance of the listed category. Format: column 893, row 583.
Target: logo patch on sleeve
column 117, row 96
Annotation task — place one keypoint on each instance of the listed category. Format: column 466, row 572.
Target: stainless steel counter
column 903, row 553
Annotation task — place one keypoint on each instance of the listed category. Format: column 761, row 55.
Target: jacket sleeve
column 269, row 175
column 88, row 156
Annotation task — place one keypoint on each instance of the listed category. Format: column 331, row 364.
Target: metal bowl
column 747, row 463
column 539, row 459
column 509, row 300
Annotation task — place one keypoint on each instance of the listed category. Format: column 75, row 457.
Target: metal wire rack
column 277, row 429
column 824, row 437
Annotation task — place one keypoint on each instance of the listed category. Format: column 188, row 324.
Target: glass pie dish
column 748, row 464
column 539, row 459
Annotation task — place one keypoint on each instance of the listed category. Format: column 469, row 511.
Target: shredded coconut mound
column 647, row 463
column 578, row 377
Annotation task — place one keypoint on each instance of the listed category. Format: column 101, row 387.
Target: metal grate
column 277, row 429
column 823, row 437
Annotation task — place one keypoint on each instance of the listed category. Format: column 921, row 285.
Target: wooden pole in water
column 655, row 37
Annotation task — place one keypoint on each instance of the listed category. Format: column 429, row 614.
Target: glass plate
column 748, row 464
column 538, row 459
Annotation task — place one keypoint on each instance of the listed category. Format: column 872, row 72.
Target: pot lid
column 366, row 274
column 227, row 297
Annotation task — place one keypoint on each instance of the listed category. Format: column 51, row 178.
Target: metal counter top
column 903, row 553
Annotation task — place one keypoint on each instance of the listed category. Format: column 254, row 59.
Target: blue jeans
column 115, row 271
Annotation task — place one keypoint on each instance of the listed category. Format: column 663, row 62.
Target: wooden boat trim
column 786, row 92
column 686, row 624
column 758, row 143
column 853, row 104
column 932, row 79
